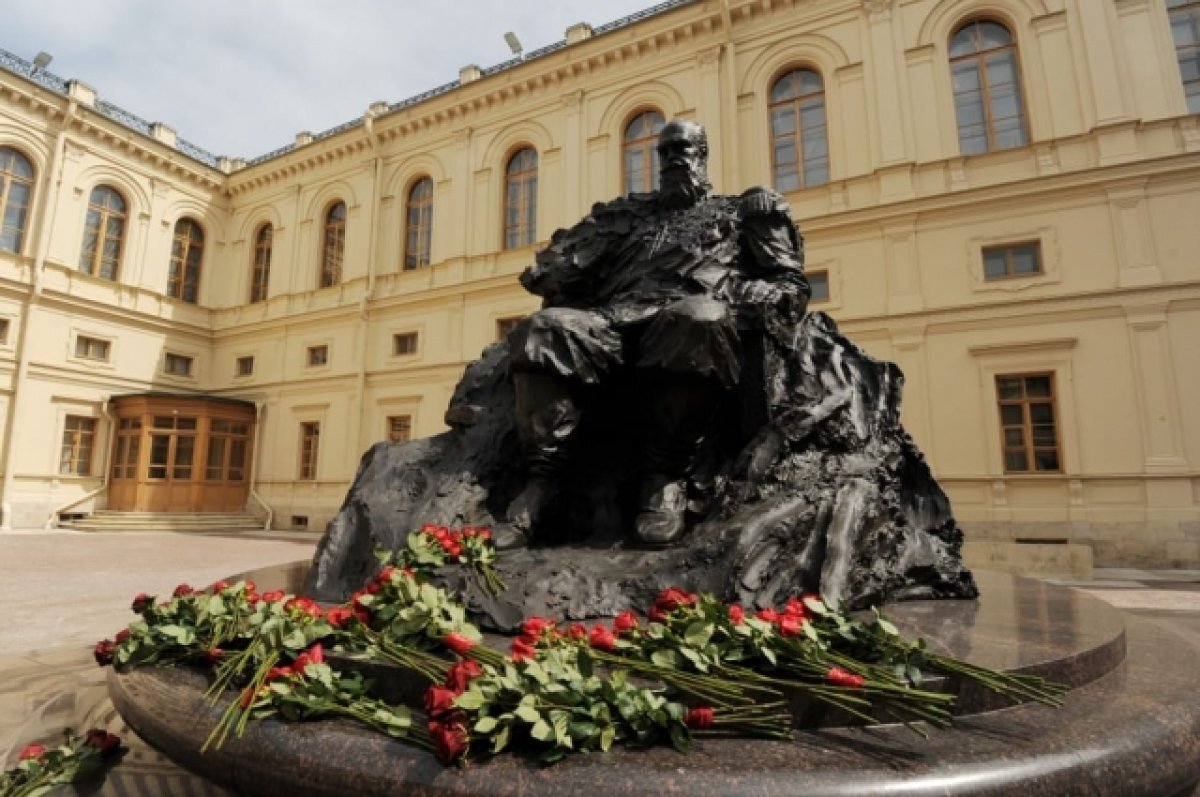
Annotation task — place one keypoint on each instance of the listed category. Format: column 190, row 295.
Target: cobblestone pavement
column 62, row 591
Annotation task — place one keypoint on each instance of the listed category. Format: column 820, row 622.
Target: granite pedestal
column 1130, row 726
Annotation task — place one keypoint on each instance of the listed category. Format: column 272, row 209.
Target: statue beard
column 680, row 187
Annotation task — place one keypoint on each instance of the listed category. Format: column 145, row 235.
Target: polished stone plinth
column 1130, row 726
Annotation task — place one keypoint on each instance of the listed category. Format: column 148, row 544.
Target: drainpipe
column 258, row 436
column 111, row 425
column 364, row 315
column 45, row 213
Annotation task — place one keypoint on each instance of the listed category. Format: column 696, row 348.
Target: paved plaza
column 62, row 591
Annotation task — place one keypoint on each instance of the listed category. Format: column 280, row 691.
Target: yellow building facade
column 1001, row 196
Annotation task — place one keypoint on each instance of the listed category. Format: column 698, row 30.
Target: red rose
column 485, row 533
column 182, row 590
column 213, row 655
column 450, row 741
column 737, row 614
column 458, row 643
column 839, row 677
column 103, row 652
column 141, row 603
column 248, row 697
column 439, row 700
column 534, row 626
column 274, row 596
column 790, row 625
column 795, row 608
column 316, row 654
column 121, row 636
column 577, row 631
column 386, row 573
column 699, row 718
column 674, row 597
column 108, row 744
column 453, row 549
column 657, row 615
column 459, row 677
column 277, row 673
column 250, row 586
column 338, row 616
column 253, row 597
column 601, row 638
column 32, row 751
column 768, row 615
column 522, row 650
column 219, row 586
column 625, row 622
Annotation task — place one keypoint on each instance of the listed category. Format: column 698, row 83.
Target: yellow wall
column 1109, row 186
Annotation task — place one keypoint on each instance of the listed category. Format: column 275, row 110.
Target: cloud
column 242, row 77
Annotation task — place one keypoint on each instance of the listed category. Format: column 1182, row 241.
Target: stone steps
column 110, row 521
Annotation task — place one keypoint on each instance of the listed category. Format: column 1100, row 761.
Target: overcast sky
column 242, row 77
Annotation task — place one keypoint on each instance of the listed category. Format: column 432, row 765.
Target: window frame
column 239, row 361
column 174, row 356
column 9, row 177
column 183, row 272
column 647, row 145
column 418, row 225
column 86, row 356
column 1028, row 447
column 333, row 244
column 260, row 262
column 414, row 335
column 1007, row 249
column 980, row 56
column 77, row 466
column 524, row 232
column 390, row 427
column 317, row 356
column 794, row 103
column 93, row 264
column 309, row 454
column 1191, row 102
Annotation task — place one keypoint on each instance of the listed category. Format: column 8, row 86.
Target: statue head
column 683, row 163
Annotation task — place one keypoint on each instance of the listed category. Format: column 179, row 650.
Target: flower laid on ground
column 433, row 546
column 700, row 665
column 40, row 768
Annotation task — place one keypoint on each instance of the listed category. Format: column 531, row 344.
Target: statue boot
column 547, row 415
column 679, row 417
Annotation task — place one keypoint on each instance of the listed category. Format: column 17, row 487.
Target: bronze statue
column 663, row 283
column 671, row 416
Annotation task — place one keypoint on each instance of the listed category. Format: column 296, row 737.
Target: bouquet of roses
column 39, row 769
column 433, row 546
column 310, row 689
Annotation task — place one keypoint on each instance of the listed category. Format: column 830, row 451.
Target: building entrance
column 181, row 454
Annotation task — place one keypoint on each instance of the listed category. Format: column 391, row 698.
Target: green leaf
column 486, row 724
column 887, row 627
column 527, row 714
column 816, row 606
column 681, row 740
column 541, row 731
column 535, row 671
column 470, row 700
column 501, row 740
column 664, row 658
column 698, row 633
column 769, row 655
column 607, row 737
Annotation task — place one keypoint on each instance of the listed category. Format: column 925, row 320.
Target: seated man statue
column 660, row 287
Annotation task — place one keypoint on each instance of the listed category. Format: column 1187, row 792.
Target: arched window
column 520, row 199
column 260, row 274
column 987, row 88
column 641, row 152
column 183, row 281
column 16, row 186
column 334, row 247
column 1185, row 30
column 799, row 136
column 103, row 233
column 419, row 226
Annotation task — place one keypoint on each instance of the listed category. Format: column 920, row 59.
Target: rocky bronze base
column 1130, row 726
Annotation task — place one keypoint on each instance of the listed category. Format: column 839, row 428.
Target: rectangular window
column 91, row 348
column 79, row 435
column 3, row 331
column 245, row 366
column 1012, row 260
column 177, row 365
column 506, row 325
column 1028, row 423
column 819, row 282
column 404, row 343
column 399, row 428
column 318, row 355
column 1185, row 31
column 310, row 438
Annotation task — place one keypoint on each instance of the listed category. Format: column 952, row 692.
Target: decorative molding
column 1022, row 347
column 878, row 10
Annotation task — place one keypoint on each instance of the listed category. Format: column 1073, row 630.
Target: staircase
column 109, row 520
